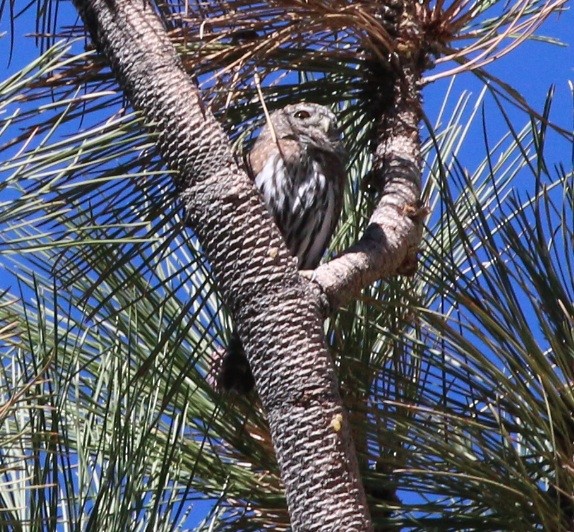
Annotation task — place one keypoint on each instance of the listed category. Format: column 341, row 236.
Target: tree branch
column 277, row 314
column 391, row 242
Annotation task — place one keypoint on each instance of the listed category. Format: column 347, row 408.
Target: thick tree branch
column 278, row 317
column 390, row 243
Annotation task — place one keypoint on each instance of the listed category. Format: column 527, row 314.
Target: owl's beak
column 326, row 125
column 330, row 129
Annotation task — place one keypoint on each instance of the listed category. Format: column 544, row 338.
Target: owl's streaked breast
column 303, row 204
column 297, row 164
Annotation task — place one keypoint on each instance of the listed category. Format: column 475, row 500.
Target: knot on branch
column 417, row 212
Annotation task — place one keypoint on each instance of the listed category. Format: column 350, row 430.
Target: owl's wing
column 338, row 176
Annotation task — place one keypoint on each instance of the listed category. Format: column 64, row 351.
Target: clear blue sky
column 531, row 69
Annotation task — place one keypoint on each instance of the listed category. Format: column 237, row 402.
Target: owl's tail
column 234, row 373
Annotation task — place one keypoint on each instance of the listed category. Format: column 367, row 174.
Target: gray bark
column 278, row 316
column 391, row 242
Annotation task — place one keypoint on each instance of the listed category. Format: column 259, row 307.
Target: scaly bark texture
column 277, row 315
column 390, row 243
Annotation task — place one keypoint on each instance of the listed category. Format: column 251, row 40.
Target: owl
column 298, row 165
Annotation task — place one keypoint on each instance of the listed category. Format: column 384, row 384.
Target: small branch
column 391, row 241
column 388, row 247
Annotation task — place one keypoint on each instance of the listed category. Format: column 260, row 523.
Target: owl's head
column 309, row 123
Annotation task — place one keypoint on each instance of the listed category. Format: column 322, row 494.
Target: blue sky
column 530, row 69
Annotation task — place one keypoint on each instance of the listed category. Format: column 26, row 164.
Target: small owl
column 298, row 165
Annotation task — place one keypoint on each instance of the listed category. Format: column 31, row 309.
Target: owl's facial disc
column 316, row 125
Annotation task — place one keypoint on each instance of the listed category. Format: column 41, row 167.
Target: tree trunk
column 278, row 315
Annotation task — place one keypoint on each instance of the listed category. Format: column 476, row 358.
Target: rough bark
column 391, row 241
column 277, row 315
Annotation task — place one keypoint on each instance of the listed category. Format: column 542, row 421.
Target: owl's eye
column 302, row 115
